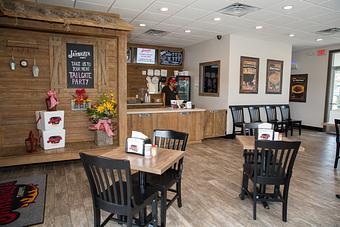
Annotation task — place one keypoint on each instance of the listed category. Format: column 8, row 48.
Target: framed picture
column 298, row 88
column 249, row 75
column 135, row 146
column 274, row 77
column 209, row 80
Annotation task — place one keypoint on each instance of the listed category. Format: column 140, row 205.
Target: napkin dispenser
column 136, row 145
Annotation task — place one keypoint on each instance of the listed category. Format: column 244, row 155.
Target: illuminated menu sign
column 146, row 56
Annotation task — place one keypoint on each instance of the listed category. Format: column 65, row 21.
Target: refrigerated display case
column 183, row 87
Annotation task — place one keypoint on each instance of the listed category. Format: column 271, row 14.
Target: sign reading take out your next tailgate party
column 79, row 65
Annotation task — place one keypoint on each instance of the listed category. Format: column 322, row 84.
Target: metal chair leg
column 96, row 215
column 179, row 193
column 336, row 156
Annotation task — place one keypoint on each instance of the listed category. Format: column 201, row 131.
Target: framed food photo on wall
column 274, row 76
column 298, row 88
column 249, row 75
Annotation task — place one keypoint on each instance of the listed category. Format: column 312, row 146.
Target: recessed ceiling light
column 142, row 25
column 217, row 18
column 288, row 7
column 187, row 31
column 259, row 27
column 163, row 9
column 318, row 40
column 291, row 35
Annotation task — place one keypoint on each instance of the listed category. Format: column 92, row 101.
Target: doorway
column 333, row 87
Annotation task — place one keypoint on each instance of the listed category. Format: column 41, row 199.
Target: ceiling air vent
column 238, row 9
column 155, row 32
column 329, row 31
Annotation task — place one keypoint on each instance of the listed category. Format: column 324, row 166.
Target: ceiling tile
column 156, row 17
column 260, row 15
column 192, row 13
column 90, row 6
column 297, row 6
column 172, row 8
column 332, row 4
column 178, row 21
column 65, row 3
column 166, row 27
column 98, row 2
column 179, row 2
column 324, row 18
column 133, row 4
column 211, row 5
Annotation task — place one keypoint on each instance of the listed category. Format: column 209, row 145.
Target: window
column 209, row 78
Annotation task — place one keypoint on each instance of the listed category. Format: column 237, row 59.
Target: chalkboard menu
column 79, row 65
column 168, row 57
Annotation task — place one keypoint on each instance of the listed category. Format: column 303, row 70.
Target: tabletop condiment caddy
column 140, row 144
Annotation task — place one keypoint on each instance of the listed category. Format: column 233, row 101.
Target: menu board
column 79, row 65
column 168, row 57
column 146, row 56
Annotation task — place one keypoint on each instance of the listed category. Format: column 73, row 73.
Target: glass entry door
column 333, row 108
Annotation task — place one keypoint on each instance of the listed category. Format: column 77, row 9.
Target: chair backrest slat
column 237, row 114
column 110, row 180
column 277, row 159
column 285, row 112
column 271, row 113
column 254, row 114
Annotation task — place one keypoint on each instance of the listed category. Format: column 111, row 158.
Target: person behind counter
column 169, row 92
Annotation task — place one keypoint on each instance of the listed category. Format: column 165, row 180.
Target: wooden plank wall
column 135, row 79
column 21, row 94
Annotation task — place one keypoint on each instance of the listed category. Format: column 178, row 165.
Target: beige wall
column 211, row 50
column 312, row 112
column 229, row 50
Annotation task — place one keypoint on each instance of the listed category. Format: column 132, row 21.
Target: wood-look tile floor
column 211, row 185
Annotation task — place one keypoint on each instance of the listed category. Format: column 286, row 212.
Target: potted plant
column 103, row 118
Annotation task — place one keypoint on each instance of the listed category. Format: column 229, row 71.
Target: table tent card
column 265, row 131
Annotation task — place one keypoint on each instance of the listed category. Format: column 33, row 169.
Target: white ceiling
column 306, row 17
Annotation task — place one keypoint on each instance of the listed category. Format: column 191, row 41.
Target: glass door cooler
column 183, row 87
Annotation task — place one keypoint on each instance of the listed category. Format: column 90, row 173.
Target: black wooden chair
column 112, row 190
column 291, row 124
column 337, row 154
column 254, row 114
column 271, row 113
column 250, row 129
column 238, row 119
column 176, row 141
column 273, row 166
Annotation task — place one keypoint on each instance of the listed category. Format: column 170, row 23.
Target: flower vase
column 102, row 138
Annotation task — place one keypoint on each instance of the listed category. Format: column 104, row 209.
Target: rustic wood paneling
column 135, row 79
column 21, row 94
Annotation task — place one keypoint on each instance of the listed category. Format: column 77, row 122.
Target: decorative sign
column 274, row 77
column 249, row 75
column 168, row 57
column 298, row 88
column 79, row 65
column 146, row 56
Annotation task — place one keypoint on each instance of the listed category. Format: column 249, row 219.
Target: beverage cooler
column 183, row 87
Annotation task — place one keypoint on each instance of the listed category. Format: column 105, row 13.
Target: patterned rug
column 22, row 201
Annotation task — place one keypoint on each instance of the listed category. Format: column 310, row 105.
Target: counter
column 144, row 105
column 162, row 110
column 183, row 120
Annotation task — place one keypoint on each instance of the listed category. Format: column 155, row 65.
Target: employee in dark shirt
column 169, row 92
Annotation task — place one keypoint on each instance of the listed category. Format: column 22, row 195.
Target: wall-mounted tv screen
column 146, row 56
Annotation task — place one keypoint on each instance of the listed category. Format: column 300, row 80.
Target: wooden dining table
column 158, row 164
column 248, row 142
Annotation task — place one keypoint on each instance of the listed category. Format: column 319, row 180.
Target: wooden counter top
column 162, row 110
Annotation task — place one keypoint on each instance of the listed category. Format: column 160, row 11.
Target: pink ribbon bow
column 104, row 125
column 53, row 98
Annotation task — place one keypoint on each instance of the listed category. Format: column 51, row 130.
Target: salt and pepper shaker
column 154, row 150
